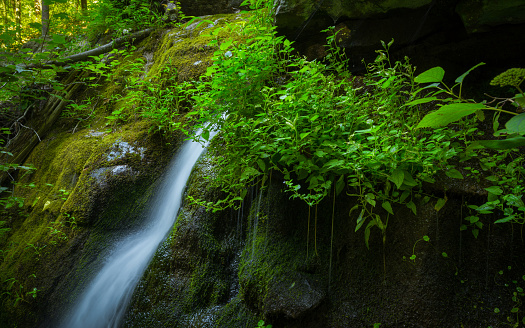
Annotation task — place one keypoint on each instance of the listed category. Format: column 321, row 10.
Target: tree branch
column 137, row 36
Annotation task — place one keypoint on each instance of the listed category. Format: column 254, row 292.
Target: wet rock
column 121, row 149
column 293, row 296
column 101, row 175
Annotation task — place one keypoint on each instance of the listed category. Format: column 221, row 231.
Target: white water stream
column 105, row 299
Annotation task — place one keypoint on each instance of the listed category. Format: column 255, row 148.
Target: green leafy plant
column 414, row 256
column 261, row 324
column 455, row 107
column 15, row 291
column 508, row 279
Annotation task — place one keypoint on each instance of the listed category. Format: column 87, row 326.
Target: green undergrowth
column 329, row 132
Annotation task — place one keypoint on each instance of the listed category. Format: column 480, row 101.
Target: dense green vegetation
column 324, row 131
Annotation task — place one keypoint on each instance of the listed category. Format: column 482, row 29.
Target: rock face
column 207, row 7
column 293, row 296
column 453, row 33
column 479, row 16
column 274, row 262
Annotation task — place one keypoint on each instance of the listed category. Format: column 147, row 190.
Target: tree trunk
column 45, row 19
column 83, row 6
column 18, row 18
column 5, row 11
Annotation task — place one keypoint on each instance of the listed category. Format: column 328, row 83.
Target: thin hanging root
column 308, row 231
column 331, row 243
column 315, row 232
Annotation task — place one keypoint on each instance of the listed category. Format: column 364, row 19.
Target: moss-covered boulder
column 87, row 188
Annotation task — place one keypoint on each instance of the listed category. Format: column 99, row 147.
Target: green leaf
column 319, row 153
column 360, row 219
column 505, row 219
column 420, row 101
column 206, row 135
column 304, row 135
column 448, row 114
column 494, row 190
column 404, row 195
column 412, row 206
column 261, row 164
column 386, row 205
column 462, row 76
column 516, row 124
column 434, row 74
column 61, row 15
column 36, row 26
column 367, row 232
column 455, row 174
column 226, row 45
column 440, row 203
column 340, row 184
column 502, row 144
column 333, row 164
column 370, row 199
column 397, row 177
column 408, row 180
column 60, row 39
column 426, row 238
column 520, row 99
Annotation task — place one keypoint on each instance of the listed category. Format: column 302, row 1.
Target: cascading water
column 105, row 300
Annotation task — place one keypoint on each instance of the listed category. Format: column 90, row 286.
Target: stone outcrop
column 206, row 7
column 453, row 33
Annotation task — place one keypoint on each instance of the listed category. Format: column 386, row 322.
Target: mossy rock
column 193, row 274
column 186, row 50
column 86, row 187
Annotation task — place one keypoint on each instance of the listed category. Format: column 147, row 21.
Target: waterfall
column 106, row 297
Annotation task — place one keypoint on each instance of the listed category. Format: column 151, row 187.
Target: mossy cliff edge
column 90, row 185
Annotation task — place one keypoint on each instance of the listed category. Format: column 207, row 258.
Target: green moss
column 266, row 258
column 187, row 49
column 235, row 314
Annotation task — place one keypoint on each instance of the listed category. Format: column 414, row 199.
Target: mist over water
column 106, row 297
